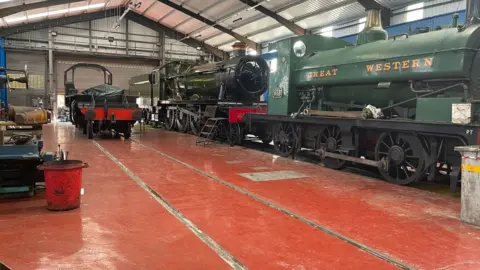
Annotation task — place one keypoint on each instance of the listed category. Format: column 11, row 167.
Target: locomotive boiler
column 400, row 104
column 243, row 78
column 190, row 93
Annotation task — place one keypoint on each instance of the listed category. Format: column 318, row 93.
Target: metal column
column 3, row 63
column 161, row 47
column 52, row 90
column 127, row 38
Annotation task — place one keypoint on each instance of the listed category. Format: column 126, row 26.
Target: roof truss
column 4, row 12
column 175, row 35
column 110, row 13
column 296, row 29
column 252, row 44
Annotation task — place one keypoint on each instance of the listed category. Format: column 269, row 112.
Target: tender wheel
column 170, row 120
column 182, row 122
column 284, row 139
column 194, row 125
column 330, row 139
column 72, row 113
column 221, row 132
column 404, row 156
column 90, row 129
column 235, row 134
column 266, row 142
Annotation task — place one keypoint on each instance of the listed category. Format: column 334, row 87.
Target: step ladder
column 210, row 131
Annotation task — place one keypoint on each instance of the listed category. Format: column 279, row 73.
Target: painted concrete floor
column 160, row 202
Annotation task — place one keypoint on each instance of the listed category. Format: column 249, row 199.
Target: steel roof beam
column 371, row 4
column 22, row 28
column 5, row 32
column 296, row 29
column 252, row 44
column 142, row 20
column 4, row 12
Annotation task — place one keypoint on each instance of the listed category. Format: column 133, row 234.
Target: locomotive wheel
column 284, row 139
column 194, row 125
column 330, row 138
column 182, row 122
column 73, row 114
column 127, row 134
column 235, row 134
column 170, row 120
column 266, row 142
column 404, row 156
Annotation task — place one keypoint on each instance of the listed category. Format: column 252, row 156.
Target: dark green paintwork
column 343, row 76
column 452, row 52
column 286, row 61
column 203, row 85
column 371, row 35
column 436, row 109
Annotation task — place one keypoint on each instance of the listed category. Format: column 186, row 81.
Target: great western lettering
column 400, row 65
column 322, row 73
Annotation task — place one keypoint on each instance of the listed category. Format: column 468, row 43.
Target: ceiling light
column 54, row 12
column 4, row 1
column 16, row 19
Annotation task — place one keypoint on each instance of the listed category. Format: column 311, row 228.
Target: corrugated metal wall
column 431, row 8
column 400, row 15
column 36, row 66
column 90, row 37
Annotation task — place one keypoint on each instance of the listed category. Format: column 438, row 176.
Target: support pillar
column 470, row 212
column 161, row 47
column 51, row 85
column 90, row 36
column 127, row 34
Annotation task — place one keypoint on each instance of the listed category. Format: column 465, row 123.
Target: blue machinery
column 3, row 63
column 21, row 153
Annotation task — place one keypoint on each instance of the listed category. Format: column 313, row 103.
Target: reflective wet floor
column 158, row 201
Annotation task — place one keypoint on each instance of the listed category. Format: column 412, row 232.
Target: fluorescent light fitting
column 54, row 12
column 16, row 19
column 4, row 1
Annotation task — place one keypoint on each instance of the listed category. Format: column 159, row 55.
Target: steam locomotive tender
column 400, row 104
column 100, row 109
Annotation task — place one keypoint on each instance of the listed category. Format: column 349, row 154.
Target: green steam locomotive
column 400, row 104
column 189, row 93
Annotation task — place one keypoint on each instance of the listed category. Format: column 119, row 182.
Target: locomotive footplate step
column 213, row 130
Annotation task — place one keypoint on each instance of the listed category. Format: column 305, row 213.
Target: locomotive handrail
column 400, row 35
column 426, row 95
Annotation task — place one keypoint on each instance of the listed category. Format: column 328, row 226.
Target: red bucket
column 63, row 183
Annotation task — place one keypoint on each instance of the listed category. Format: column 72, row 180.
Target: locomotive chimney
column 373, row 30
column 239, row 49
column 473, row 12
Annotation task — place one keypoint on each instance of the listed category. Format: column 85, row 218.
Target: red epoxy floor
column 120, row 225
